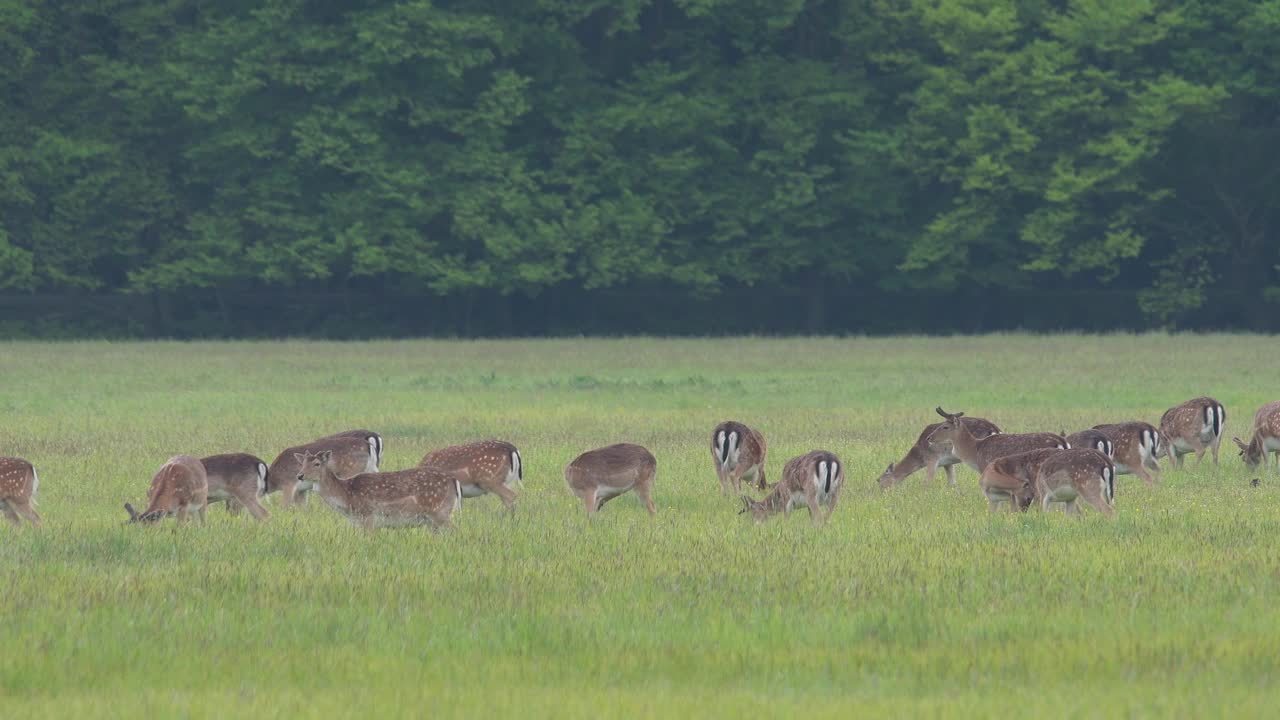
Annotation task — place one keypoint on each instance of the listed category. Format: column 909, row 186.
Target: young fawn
column 739, row 453
column 924, row 455
column 18, row 485
column 598, row 476
column 179, row 486
column 403, row 498
column 238, row 479
column 811, row 480
column 487, row 466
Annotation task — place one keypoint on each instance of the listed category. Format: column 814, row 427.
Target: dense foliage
column 699, row 146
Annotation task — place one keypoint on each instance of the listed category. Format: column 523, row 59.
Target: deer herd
column 1017, row 469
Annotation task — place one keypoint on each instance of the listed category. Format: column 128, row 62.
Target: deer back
column 18, row 480
column 484, row 460
column 351, row 456
column 234, row 473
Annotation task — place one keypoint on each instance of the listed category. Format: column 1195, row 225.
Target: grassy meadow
column 914, row 602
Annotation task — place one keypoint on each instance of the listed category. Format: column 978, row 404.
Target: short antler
column 948, row 415
column 133, row 514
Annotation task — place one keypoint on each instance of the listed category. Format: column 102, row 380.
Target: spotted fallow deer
column 354, row 452
column 1093, row 439
column 1192, row 427
column 739, row 453
column 486, row 466
column 18, row 486
column 976, row 452
column 600, row 475
column 1265, row 438
column 1135, row 447
column 812, row 480
column 1070, row 475
column 179, row 487
column 402, row 498
column 923, row 455
column 237, row 479
column 1011, row 479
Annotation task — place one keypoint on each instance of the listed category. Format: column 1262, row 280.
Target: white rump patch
column 374, row 455
column 515, row 476
column 262, row 478
column 35, row 484
column 720, row 453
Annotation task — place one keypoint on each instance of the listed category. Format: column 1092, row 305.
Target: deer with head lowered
column 354, row 452
column 487, row 466
column 402, row 498
column 1092, row 439
column 739, row 453
column 1082, row 473
column 238, row 479
column 1135, row 447
column 18, row 485
column 1011, row 479
column 600, row 475
column 1265, row 438
column 1192, row 427
column 811, row 480
column 924, row 455
column 978, row 453
column 180, row 486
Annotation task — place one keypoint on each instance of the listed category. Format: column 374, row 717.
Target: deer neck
column 332, row 488
column 911, row 462
column 964, row 445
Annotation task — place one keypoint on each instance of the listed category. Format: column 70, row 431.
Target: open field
column 912, row 601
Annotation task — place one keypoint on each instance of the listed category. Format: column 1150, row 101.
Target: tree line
column 692, row 148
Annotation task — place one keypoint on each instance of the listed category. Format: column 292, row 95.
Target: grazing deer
column 487, row 466
column 600, row 475
column 1193, row 427
column 18, row 485
column 924, row 455
column 1070, row 475
column 354, row 451
column 1012, row 478
column 237, row 479
column 180, row 486
column 1092, row 439
column 1265, row 439
column 978, row 453
column 1135, row 447
column 813, row 479
column 402, row 498
column 739, row 453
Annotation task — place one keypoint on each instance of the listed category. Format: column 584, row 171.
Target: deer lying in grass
column 487, row 466
column 354, row 452
column 1135, row 447
column 403, row 498
column 1193, row 427
column 1071, row 475
column 1093, row 440
column 18, row 485
column 598, row 476
column 1011, row 479
column 813, row 479
column 180, row 486
column 924, row 455
column 1265, row 438
column 237, row 479
column 739, row 453
column 976, row 452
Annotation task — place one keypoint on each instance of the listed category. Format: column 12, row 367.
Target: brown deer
column 354, row 452
column 1192, row 427
column 1265, row 438
column 813, row 479
column 487, row 466
column 978, row 453
column 18, row 485
column 923, row 455
column 739, row 453
column 1070, row 475
column 180, row 486
column 237, row 479
column 600, row 475
column 402, row 498
column 1135, row 447
column 1012, row 478
column 1092, row 439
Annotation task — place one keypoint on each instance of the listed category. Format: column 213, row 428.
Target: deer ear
column 889, row 469
column 746, row 504
column 301, row 457
column 941, row 412
column 1239, row 442
column 133, row 514
column 324, row 456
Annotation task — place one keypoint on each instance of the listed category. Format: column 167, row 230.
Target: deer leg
column 1093, row 495
column 1141, row 472
column 725, row 486
column 643, row 490
column 233, row 506
column 182, row 513
column 250, row 503
column 811, row 499
column 589, row 500
column 835, row 498
column 11, row 515
column 761, row 483
column 951, row 474
column 507, row 495
column 1199, row 457
column 200, row 512
column 1213, row 445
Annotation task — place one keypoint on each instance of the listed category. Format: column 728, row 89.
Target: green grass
column 915, row 601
